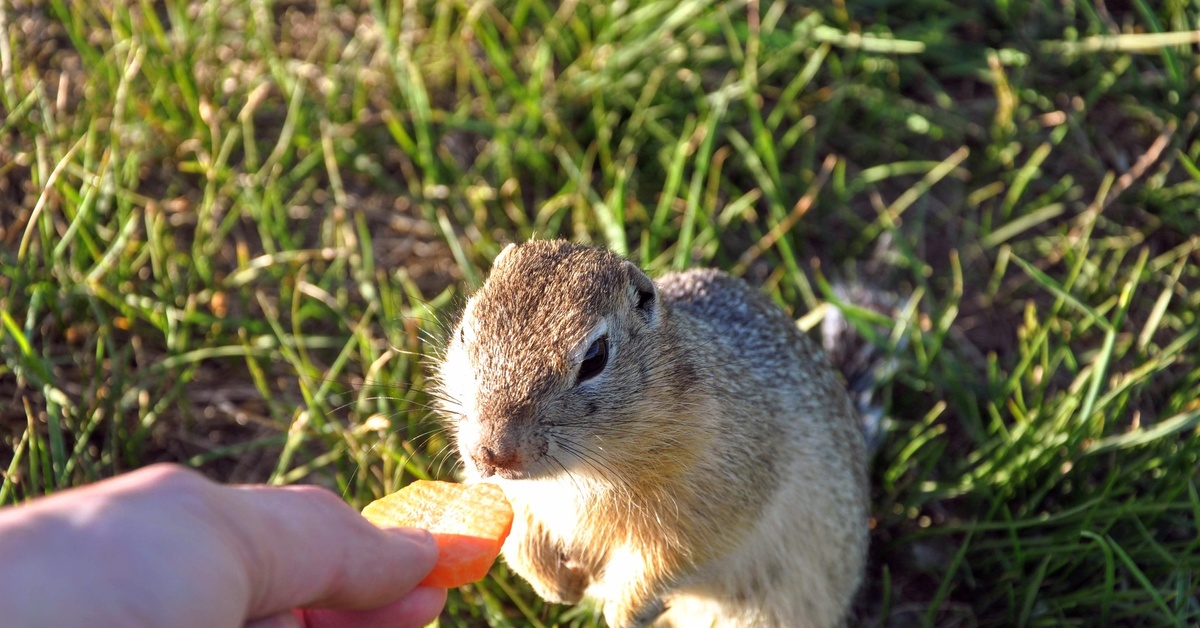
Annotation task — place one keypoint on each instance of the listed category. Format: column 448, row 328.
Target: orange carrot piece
column 468, row 521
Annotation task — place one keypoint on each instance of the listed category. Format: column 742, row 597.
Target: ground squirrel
column 675, row 449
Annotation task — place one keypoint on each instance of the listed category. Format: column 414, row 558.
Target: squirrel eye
column 594, row 360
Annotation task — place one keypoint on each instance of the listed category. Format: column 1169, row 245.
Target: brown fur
column 714, row 467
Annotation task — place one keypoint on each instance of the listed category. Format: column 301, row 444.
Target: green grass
column 233, row 236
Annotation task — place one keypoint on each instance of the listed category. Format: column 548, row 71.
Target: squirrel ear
column 499, row 258
column 646, row 295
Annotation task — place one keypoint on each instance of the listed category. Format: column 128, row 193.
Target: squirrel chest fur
column 677, row 449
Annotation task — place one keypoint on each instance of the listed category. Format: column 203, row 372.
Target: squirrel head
column 541, row 371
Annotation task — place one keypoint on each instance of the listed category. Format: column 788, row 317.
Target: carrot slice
column 468, row 521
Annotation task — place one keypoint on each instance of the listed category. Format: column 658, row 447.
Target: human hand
column 163, row 546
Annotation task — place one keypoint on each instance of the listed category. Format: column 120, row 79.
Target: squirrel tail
column 856, row 339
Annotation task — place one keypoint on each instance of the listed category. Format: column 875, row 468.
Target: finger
column 420, row 607
column 303, row 546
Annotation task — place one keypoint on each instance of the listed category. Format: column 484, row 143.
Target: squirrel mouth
column 528, row 471
column 487, row 471
column 512, row 474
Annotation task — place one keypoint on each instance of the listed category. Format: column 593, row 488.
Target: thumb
column 304, row 547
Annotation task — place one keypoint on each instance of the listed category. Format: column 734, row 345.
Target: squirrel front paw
column 649, row 613
column 568, row 583
column 640, row 617
column 539, row 558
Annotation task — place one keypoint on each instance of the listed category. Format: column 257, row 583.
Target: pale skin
column 162, row 546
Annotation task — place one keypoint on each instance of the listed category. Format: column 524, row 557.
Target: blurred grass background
column 233, row 234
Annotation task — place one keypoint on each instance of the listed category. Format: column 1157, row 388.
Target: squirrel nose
column 492, row 458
